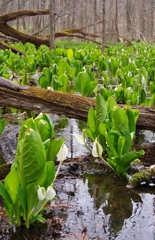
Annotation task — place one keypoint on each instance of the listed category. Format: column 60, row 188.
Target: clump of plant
column 111, row 130
column 30, row 183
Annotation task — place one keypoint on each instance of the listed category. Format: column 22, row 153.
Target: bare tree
column 52, row 27
column 150, row 20
column 103, row 25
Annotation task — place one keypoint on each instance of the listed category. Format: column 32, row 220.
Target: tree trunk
column 52, row 27
column 150, row 21
column 72, row 106
column 103, row 25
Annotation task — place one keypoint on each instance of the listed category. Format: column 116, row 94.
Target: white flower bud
column 41, row 193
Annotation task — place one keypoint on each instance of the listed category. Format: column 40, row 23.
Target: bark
column 72, row 106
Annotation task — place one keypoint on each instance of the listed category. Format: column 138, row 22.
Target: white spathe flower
column 62, row 154
column 79, row 138
column 50, row 193
column 97, row 149
column 41, row 193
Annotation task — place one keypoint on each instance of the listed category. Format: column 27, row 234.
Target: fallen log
column 48, row 101
column 144, row 175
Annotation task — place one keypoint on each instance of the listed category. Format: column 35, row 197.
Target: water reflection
column 111, row 195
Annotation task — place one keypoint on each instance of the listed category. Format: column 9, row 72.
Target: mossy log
column 48, row 101
column 143, row 176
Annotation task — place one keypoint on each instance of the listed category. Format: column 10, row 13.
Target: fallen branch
column 48, row 101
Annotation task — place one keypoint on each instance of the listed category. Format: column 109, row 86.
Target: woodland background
column 124, row 19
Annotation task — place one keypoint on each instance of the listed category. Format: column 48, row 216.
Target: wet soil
column 92, row 203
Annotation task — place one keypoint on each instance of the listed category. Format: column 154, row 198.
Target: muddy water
column 91, row 202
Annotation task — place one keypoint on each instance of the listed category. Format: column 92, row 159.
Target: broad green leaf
column 120, row 119
column 44, row 129
column 81, row 82
column 91, row 121
column 110, row 138
column 104, row 92
column 142, row 97
column 90, row 135
column 12, row 183
column 113, row 66
column 63, row 79
column 131, row 156
column 102, row 65
column 102, row 129
column 131, row 119
column 128, row 141
column 22, row 198
column 63, row 67
column 4, row 193
column 70, row 54
column 121, row 142
column 50, row 173
column 48, row 74
column 50, row 128
column 54, row 148
column 72, row 73
column 101, row 110
column 32, row 199
column 31, row 159
column 8, row 204
column 90, row 87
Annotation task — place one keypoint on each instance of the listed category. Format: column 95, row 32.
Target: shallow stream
column 92, row 203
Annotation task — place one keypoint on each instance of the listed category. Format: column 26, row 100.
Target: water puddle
column 91, row 202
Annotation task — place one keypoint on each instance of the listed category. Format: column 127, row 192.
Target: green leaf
column 44, row 129
column 131, row 119
column 32, row 199
column 128, row 141
column 63, row 67
column 12, row 183
column 31, row 158
column 91, row 121
column 63, row 79
column 54, row 148
column 121, row 142
column 120, row 119
column 2, row 125
column 142, row 98
column 50, row 128
column 105, row 93
column 101, row 110
column 112, row 139
column 50, row 173
column 90, row 135
column 113, row 66
column 84, row 84
column 131, row 156
column 22, row 198
column 4, row 193
column 38, row 218
column 70, row 54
